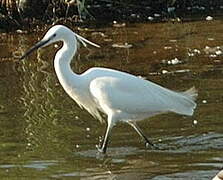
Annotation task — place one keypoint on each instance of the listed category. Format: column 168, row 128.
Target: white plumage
column 121, row 96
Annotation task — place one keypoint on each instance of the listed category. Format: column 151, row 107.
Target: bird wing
column 134, row 95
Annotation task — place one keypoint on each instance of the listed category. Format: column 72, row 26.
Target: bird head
column 55, row 34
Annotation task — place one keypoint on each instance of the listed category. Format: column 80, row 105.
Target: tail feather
column 191, row 93
column 185, row 103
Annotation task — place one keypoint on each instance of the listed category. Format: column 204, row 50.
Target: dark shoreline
column 30, row 16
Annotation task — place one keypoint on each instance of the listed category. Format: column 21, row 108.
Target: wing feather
column 134, row 95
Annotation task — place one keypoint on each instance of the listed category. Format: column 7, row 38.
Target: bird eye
column 54, row 35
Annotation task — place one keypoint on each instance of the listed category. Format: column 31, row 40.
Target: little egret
column 121, row 96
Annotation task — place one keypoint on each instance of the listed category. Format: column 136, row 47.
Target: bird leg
column 139, row 131
column 103, row 147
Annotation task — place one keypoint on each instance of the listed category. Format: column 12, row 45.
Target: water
column 45, row 135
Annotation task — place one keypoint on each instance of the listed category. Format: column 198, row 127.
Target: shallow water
column 45, row 135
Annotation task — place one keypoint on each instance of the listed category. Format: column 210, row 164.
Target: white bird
column 121, row 96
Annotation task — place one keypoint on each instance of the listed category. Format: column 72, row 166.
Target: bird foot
column 154, row 146
column 100, row 155
column 100, row 149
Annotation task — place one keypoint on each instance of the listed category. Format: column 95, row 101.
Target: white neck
column 62, row 64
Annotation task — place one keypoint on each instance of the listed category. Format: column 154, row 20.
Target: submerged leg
column 139, row 131
column 104, row 145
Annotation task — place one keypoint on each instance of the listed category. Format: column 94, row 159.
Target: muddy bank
column 25, row 14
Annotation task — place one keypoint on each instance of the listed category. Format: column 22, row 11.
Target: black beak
column 36, row 46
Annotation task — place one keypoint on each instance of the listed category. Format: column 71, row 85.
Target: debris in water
column 167, row 47
column 209, row 18
column 157, row 15
column 193, row 52
column 150, row 18
column 212, row 55
column 119, row 24
column 210, row 39
column 197, row 51
column 154, row 52
column 182, row 71
column 99, row 33
column 174, row 61
column 164, row 71
column 19, row 31
column 125, row 45
column 213, row 51
column 218, row 52
column 195, row 122
column 173, row 40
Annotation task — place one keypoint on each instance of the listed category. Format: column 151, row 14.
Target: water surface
column 45, row 135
